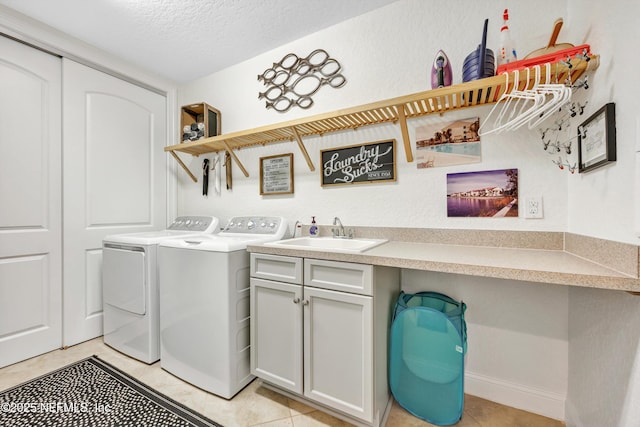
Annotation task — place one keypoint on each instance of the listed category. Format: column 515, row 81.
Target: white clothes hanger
column 523, row 115
column 506, row 106
column 528, row 100
column 503, row 97
column 530, row 105
column 561, row 94
column 552, row 95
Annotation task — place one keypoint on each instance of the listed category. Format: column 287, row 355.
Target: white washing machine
column 204, row 304
column 130, row 288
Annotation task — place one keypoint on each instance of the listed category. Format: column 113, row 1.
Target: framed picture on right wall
column 597, row 139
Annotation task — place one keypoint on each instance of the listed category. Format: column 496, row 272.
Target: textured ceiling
column 186, row 39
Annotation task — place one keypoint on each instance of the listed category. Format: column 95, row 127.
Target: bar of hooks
column 551, row 141
column 563, row 163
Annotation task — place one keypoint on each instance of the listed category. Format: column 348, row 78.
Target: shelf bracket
column 235, row 159
column 303, row 148
column 402, row 118
column 181, row 163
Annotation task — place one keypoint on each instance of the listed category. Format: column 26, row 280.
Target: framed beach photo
column 597, row 139
column 448, row 143
column 492, row 193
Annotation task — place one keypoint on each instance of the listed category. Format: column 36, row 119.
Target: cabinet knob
column 305, row 302
column 296, row 300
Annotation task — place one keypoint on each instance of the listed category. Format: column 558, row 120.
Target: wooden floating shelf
column 395, row 110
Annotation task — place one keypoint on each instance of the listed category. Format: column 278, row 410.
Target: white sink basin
column 328, row 244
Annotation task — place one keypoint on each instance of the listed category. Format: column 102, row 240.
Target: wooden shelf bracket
column 402, row 118
column 303, row 148
column 236, row 159
column 181, row 163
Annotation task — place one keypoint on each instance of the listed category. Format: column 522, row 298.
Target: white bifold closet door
column 114, row 173
column 30, row 202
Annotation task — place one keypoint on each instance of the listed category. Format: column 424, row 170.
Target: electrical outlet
column 533, row 207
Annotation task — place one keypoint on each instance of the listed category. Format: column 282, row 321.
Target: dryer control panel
column 204, row 224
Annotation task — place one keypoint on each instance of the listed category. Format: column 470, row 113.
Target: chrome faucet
column 339, row 232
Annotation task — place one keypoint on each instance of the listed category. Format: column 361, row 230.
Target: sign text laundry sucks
column 357, row 164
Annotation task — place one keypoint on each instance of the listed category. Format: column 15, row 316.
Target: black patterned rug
column 92, row 392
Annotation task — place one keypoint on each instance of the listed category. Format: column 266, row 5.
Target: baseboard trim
column 519, row 396
column 572, row 418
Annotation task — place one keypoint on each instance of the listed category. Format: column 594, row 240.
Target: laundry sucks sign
column 358, row 164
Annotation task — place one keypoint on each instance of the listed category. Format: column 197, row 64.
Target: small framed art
column 276, row 174
column 597, row 139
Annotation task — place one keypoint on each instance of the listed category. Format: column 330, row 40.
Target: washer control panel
column 204, row 224
column 264, row 225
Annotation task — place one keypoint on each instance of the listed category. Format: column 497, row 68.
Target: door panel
column 338, row 349
column 276, row 333
column 29, row 309
column 117, row 170
column 30, row 193
column 114, row 181
column 24, row 124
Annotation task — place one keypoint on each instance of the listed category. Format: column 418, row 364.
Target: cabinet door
column 276, row 333
column 338, row 351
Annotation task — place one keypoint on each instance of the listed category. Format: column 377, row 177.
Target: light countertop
column 565, row 261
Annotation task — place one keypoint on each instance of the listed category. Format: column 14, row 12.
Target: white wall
column 604, row 327
column 381, row 60
column 602, row 203
column 604, row 331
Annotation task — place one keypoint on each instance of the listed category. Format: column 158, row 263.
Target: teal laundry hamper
column 426, row 356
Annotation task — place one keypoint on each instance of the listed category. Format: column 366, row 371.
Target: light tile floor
column 255, row 405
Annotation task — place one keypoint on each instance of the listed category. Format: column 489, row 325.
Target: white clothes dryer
column 204, row 304
column 130, row 287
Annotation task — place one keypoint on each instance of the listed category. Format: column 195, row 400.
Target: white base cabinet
column 338, row 351
column 276, row 333
column 319, row 331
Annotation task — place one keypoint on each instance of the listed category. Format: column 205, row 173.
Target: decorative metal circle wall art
column 292, row 81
